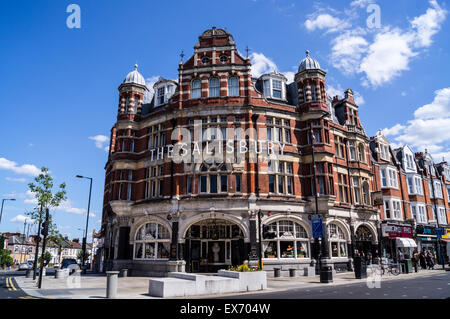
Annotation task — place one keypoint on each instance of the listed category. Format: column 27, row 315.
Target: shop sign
column 446, row 233
column 393, row 231
column 425, row 230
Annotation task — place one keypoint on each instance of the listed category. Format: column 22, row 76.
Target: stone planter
column 248, row 280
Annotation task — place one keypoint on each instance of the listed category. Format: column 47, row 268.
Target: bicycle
column 391, row 268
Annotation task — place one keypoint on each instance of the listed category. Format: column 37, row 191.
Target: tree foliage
column 46, row 197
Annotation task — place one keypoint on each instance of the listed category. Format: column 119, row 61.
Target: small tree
column 5, row 258
column 47, row 258
column 42, row 188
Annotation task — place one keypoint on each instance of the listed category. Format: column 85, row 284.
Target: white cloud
column 430, row 127
column 101, row 141
column 21, row 219
column 428, row 24
column 325, row 21
column 290, row 76
column 67, row 206
column 26, row 169
column 387, row 57
column 395, row 130
column 361, row 3
column 347, row 52
column 333, row 91
column 389, row 53
column 261, row 64
column 359, row 99
column 439, row 107
column 20, row 180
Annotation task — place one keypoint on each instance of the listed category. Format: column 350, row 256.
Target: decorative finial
column 426, row 151
column 247, row 50
column 307, row 52
column 136, row 66
column 182, row 55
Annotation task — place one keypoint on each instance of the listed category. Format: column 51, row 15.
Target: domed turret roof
column 134, row 77
column 308, row 63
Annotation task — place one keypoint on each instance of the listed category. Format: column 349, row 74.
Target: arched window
column 233, row 86
column 196, row 89
column 285, row 239
column 213, row 178
column 214, row 87
column 152, row 241
column 338, row 243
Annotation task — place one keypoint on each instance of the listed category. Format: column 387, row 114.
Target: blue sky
column 59, row 85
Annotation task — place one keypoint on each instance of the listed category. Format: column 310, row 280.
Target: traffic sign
column 317, row 226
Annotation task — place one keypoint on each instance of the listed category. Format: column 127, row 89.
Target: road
column 9, row 288
column 426, row 287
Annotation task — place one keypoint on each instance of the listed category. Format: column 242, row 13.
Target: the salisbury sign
column 212, row 145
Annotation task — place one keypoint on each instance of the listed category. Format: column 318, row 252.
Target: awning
column 405, row 242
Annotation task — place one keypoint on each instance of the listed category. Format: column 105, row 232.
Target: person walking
column 422, row 261
column 415, row 260
column 429, row 260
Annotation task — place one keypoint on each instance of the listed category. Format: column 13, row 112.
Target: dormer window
column 163, row 92
column 160, row 96
column 274, row 86
column 276, row 89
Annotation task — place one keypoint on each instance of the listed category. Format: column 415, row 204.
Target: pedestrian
column 400, row 255
column 369, row 258
column 422, row 261
column 415, row 260
column 429, row 260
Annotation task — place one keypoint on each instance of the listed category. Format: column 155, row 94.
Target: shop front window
column 152, row 242
column 290, row 241
column 271, row 250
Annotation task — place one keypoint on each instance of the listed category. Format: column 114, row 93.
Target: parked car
column 67, row 262
column 25, row 266
column 56, row 265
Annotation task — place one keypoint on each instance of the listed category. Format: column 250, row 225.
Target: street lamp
column 3, row 201
column 83, row 247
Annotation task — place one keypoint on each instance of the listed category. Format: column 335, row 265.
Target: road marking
column 439, row 288
column 404, row 296
column 11, row 284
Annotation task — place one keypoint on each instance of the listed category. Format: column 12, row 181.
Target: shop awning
column 405, row 242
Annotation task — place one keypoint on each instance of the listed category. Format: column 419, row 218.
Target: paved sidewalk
column 93, row 286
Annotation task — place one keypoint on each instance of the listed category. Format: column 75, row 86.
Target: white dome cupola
column 134, row 77
column 308, row 63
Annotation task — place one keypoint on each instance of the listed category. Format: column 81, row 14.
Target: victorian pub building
column 161, row 216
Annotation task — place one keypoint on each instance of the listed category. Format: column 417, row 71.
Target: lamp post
column 316, row 240
column 83, row 247
column 3, row 202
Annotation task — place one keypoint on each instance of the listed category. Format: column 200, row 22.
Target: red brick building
column 415, row 199
column 202, row 214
